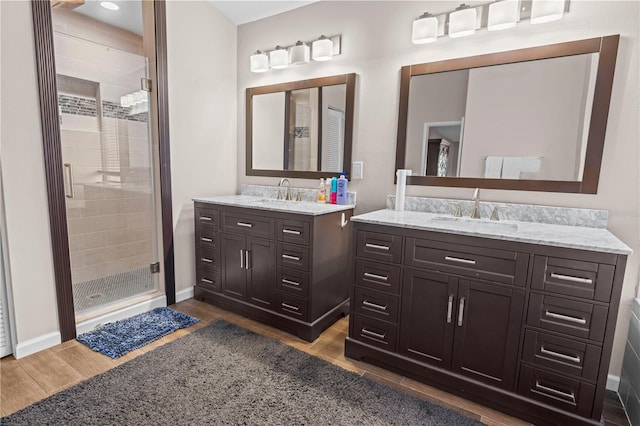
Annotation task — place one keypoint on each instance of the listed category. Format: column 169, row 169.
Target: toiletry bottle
column 342, row 190
column 334, row 190
column 327, row 192
column 321, row 191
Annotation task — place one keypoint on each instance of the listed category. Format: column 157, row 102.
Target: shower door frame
column 49, row 117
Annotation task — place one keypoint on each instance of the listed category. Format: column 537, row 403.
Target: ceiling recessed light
column 109, row 5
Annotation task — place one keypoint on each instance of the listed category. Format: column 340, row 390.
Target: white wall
column 376, row 52
column 202, row 112
column 27, row 216
column 268, row 130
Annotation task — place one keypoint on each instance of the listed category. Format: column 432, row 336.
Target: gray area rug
column 225, row 375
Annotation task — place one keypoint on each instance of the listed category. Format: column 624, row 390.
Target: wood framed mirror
column 300, row 129
column 531, row 119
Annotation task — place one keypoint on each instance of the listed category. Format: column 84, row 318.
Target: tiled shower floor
column 103, row 291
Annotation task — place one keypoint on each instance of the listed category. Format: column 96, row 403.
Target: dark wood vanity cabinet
column 287, row 270
column 524, row 328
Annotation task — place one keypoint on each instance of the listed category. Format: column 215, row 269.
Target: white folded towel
column 511, row 167
column 493, row 167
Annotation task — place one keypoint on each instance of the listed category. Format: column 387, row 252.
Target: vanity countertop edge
column 575, row 237
column 262, row 203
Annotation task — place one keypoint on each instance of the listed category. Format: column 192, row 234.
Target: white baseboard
column 37, row 344
column 185, row 294
column 129, row 311
column 613, row 382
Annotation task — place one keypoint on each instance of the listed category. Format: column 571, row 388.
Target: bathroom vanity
column 283, row 263
column 518, row 316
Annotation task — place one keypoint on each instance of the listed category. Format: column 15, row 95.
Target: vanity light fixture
column 425, row 29
column 259, row 62
column 299, row 53
column 503, row 15
column 546, row 11
column 495, row 15
column 462, row 21
column 322, row 49
column 109, row 5
column 279, row 58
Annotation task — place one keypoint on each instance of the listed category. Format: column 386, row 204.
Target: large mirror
column 529, row 119
column 301, row 129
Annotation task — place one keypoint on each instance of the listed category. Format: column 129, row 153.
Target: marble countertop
column 576, row 237
column 272, row 204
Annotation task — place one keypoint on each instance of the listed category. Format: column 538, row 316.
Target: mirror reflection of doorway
column 442, row 148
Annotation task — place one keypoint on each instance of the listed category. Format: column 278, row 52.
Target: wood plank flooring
column 32, row 378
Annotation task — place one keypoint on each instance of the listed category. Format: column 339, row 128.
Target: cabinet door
column 487, row 332
column 428, row 316
column 234, row 275
column 261, row 272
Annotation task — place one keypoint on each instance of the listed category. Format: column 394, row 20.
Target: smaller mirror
column 301, row 129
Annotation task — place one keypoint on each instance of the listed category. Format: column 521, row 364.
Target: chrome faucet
column 475, row 214
column 283, row 181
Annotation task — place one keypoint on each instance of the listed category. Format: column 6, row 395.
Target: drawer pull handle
column 545, row 351
column 291, row 307
column 449, row 308
column 461, row 312
column 290, row 231
column 206, row 218
column 247, row 265
column 245, row 224
column 373, row 334
column 206, row 240
column 204, row 280
column 241, row 259
column 374, row 305
column 286, row 256
column 572, row 279
column 571, row 396
column 286, row 281
column 376, row 276
column 459, row 260
column 377, row 247
column 204, row 259
column 565, row 317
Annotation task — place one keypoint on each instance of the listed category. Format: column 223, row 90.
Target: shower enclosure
column 108, row 168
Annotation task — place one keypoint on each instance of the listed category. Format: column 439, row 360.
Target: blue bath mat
column 118, row 338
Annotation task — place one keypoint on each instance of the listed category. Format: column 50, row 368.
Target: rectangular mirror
column 301, row 129
column 530, row 119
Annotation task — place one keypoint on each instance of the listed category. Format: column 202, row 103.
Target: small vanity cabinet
column 524, row 328
column 288, row 270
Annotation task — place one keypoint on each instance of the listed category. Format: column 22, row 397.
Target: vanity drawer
column 377, row 246
column 565, row 355
column 293, row 231
column 245, row 224
column 208, row 259
column 502, row 266
column 294, row 257
column 588, row 280
column 293, row 306
column 376, row 304
column 206, row 217
column 374, row 332
column 580, row 319
column 379, row 276
column 569, row 394
column 293, row 282
column 208, row 279
column 207, row 238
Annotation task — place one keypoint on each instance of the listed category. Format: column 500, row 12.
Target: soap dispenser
column 342, row 190
column 321, row 191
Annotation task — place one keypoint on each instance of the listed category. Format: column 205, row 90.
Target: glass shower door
column 109, row 176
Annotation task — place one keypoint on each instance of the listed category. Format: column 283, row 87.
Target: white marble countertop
column 272, row 204
column 576, row 237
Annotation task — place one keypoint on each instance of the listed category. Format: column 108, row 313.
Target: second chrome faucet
column 475, row 214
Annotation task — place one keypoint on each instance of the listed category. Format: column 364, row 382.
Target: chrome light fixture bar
column 493, row 16
column 321, row 49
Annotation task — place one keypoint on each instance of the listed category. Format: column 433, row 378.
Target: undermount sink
column 473, row 225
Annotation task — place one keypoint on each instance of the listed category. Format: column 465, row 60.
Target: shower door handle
column 69, row 171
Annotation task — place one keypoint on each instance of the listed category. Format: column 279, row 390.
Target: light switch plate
column 357, row 169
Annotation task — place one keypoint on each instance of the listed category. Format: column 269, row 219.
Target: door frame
column 49, row 118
